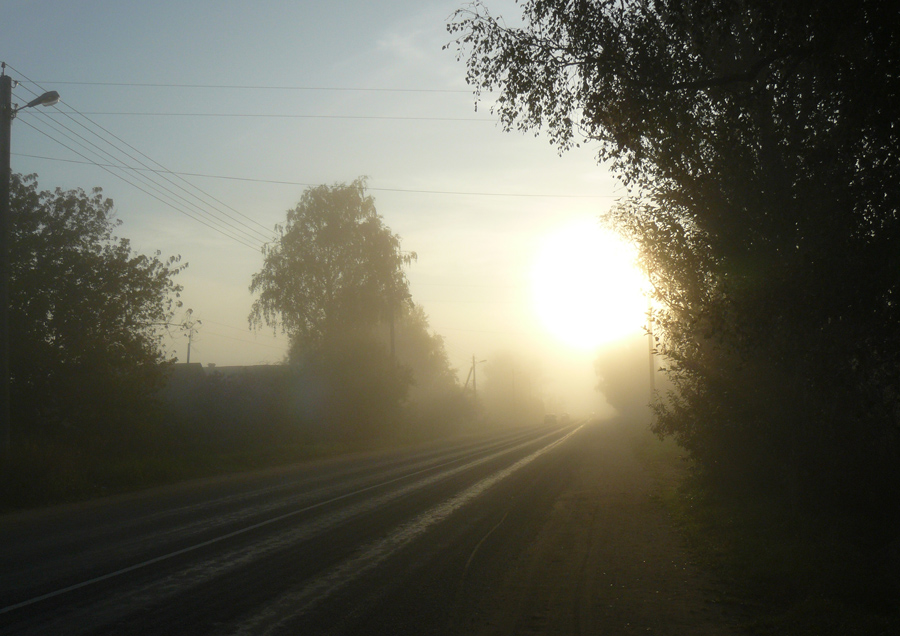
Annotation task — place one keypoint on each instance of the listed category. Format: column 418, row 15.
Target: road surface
column 531, row 531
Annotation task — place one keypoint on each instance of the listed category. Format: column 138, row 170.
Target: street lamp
column 7, row 114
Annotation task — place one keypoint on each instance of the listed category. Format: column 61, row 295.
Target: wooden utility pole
column 190, row 326
column 651, row 348
column 472, row 376
column 6, row 117
column 650, row 339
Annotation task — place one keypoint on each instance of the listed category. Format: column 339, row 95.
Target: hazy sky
column 470, row 199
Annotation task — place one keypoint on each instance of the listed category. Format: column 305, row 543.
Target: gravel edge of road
column 608, row 559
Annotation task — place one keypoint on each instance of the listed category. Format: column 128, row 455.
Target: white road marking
column 244, row 530
column 298, row 601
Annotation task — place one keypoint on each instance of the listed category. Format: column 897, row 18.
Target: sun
column 587, row 289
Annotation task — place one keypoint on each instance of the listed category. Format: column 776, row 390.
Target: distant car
column 565, row 419
column 550, row 418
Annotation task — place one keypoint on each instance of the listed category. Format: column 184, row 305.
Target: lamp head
column 47, row 99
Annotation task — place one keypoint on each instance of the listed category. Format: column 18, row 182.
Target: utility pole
column 472, row 375
column 190, row 326
column 650, row 340
column 190, row 338
column 474, row 380
column 7, row 114
column 514, row 405
column 6, row 117
column 651, row 351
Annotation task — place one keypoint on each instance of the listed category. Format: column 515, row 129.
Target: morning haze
column 436, row 317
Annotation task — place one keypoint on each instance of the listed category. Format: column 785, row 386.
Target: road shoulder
column 607, row 559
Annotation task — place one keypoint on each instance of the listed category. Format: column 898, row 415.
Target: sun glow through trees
column 587, row 290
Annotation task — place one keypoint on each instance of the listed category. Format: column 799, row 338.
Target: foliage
column 760, row 145
column 354, row 389
column 85, row 340
column 623, row 377
column 421, row 350
column 334, row 269
column 334, row 274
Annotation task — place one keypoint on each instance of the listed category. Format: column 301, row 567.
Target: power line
column 259, row 344
column 263, row 87
column 159, row 196
column 505, row 332
column 374, row 189
column 491, row 301
column 122, row 165
column 264, row 237
column 290, row 116
column 147, row 192
column 159, row 188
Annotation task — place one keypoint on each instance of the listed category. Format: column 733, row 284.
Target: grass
column 55, row 470
column 47, row 473
column 785, row 570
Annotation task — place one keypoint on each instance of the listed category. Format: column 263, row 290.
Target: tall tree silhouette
column 85, row 313
column 760, row 146
column 334, row 273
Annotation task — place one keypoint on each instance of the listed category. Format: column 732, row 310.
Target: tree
column 334, row 273
column 85, row 313
column 334, row 269
column 436, row 404
column 759, row 143
column 622, row 378
column 421, row 350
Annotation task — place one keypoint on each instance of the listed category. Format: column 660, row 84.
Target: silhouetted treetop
column 86, row 313
column 334, row 268
column 760, row 144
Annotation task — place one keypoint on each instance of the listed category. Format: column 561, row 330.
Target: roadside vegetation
column 757, row 147
column 99, row 407
column 779, row 569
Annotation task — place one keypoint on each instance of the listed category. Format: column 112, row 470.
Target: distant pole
column 6, row 117
column 474, row 381
column 652, row 365
column 191, row 326
column 650, row 343
column 393, row 355
column 514, row 405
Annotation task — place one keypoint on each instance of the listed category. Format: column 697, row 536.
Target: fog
column 340, row 92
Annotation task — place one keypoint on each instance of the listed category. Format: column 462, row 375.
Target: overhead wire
column 246, row 237
column 167, row 171
column 265, row 87
column 120, row 164
column 162, row 170
column 147, row 182
column 145, row 191
column 249, row 236
column 258, row 344
column 299, row 88
column 288, row 116
column 373, row 189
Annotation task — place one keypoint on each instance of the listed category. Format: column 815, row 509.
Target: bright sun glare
column 587, row 290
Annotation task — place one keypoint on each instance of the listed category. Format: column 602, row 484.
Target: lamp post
column 7, row 114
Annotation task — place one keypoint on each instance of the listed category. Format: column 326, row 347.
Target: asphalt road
column 407, row 542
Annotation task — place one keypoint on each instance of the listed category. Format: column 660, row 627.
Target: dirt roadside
column 607, row 560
